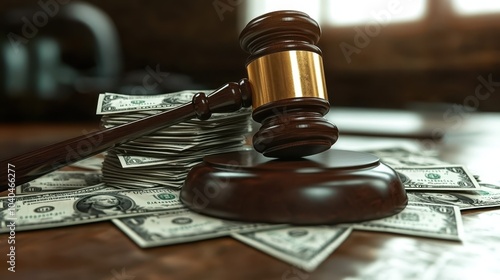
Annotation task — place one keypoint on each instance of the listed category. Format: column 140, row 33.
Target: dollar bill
column 83, row 206
column 180, row 226
column 488, row 195
column 305, row 247
column 60, row 181
column 112, row 103
column 447, row 177
column 421, row 219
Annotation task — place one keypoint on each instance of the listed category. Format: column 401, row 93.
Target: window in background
column 428, row 51
column 254, row 9
column 355, row 12
column 341, row 12
column 469, row 7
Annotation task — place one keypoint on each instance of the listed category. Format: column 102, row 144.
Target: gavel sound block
column 307, row 183
column 293, row 176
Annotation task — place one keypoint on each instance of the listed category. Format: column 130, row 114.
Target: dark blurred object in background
column 439, row 58
column 55, row 57
column 41, row 67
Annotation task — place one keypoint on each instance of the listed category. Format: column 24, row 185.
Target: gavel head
column 289, row 96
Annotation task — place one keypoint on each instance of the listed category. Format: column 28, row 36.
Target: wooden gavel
column 285, row 86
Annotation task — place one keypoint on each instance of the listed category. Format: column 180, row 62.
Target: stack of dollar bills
column 438, row 192
column 164, row 158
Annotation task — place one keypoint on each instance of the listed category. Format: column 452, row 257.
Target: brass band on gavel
column 286, row 74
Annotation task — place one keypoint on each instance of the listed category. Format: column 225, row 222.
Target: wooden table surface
column 101, row 251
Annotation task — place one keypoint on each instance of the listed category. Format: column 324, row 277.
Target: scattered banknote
column 488, row 195
column 180, row 226
column 154, row 216
column 83, row 206
column 60, row 181
column 421, row 219
column 303, row 247
column 437, row 178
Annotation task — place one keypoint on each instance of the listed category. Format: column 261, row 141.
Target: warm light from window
column 257, row 8
column 354, row 12
column 474, row 7
column 343, row 12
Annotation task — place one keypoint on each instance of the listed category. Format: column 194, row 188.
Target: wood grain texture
column 94, row 251
column 332, row 187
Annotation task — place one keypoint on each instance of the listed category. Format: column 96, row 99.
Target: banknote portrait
column 108, row 204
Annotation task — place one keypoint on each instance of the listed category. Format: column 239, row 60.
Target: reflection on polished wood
column 101, row 251
column 98, row 251
column 316, row 190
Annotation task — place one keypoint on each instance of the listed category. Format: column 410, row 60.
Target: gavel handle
column 26, row 167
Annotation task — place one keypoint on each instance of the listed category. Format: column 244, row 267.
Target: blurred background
column 56, row 56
